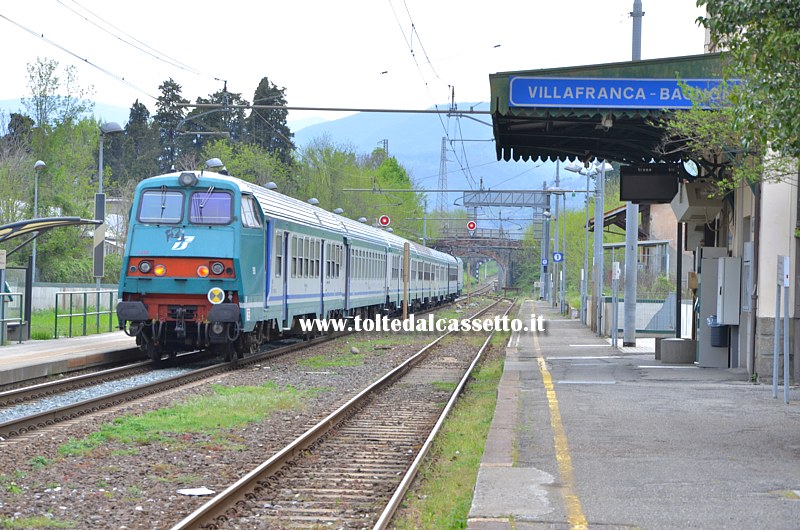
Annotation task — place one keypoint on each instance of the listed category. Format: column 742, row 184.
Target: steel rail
column 20, row 395
column 408, row 478
column 51, row 417
column 240, row 490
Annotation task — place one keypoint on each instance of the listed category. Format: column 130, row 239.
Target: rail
column 6, row 322
column 84, row 310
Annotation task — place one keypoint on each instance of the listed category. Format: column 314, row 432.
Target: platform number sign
column 384, row 220
column 558, row 257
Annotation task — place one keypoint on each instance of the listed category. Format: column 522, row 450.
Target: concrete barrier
column 678, row 351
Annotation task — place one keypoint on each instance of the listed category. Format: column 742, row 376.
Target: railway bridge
column 496, row 244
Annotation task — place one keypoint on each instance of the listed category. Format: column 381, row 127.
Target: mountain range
column 415, row 140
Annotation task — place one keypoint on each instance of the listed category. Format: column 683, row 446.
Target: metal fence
column 7, row 322
column 79, row 309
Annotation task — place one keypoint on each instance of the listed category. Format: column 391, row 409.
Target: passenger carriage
column 215, row 262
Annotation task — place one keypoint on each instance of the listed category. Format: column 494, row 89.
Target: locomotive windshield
column 161, row 206
column 211, row 207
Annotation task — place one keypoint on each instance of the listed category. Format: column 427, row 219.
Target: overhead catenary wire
column 154, row 53
column 82, row 59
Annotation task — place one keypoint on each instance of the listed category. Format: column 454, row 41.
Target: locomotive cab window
column 161, row 206
column 211, row 207
column 250, row 217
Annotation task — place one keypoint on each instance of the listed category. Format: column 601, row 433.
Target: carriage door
column 320, row 255
column 285, row 275
column 346, row 274
column 254, row 266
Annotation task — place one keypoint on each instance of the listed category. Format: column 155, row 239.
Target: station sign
column 586, row 92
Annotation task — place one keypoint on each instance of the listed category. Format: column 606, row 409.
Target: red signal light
column 472, row 225
column 384, row 220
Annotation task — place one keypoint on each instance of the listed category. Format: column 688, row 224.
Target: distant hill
column 415, row 139
column 102, row 111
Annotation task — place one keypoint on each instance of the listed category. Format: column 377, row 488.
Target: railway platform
column 588, row 436
column 38, row 358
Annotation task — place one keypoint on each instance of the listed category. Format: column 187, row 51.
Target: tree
column 252, row 163
column 763, row 39
column 169, row 117
column 140, row 147
column 16, row 167
column 217, row 121
column 45, row 105
column 268, row 127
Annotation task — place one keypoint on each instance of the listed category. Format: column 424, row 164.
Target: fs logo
column 182, row 244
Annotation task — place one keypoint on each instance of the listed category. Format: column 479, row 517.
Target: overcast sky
column 351, row 53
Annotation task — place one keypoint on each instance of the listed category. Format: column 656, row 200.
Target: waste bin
column 718, row 333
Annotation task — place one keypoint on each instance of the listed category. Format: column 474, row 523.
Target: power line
column 82, row 59
column 159, row 56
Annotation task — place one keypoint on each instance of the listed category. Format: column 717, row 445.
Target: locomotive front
column 179, row 289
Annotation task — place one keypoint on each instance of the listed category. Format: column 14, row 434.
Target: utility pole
column 632, row 215
column 441, row 197
column 556, row 266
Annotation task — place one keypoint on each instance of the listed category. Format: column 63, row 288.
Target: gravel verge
column 127, row 486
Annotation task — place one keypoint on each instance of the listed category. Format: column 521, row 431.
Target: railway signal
column 471, row 226
column 384, row 220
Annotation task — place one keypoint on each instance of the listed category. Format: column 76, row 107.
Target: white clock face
column 691, row 167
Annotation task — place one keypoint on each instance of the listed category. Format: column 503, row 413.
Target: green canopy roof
column 615, row 133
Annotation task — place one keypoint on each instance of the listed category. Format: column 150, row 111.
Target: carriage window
column 294, row 256
column 250, row 213
column 278, row 254
column 210, row 207
column 161, row 206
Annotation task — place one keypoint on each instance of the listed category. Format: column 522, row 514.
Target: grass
column 226, row 408
column 41, row 521
column 43, row 323
column 442, row 494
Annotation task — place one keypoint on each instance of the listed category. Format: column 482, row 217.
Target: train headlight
column 160, row 270
column 187, row 179
column 217, row 268
column 217, row 328
column 145, row 266
column 202, row 271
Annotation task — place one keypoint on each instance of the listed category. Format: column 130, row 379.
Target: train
column 213, row 262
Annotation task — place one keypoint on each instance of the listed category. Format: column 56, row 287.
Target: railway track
column 29, row 423
column 352, row 468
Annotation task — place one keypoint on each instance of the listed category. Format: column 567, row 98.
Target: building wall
column 776, row 237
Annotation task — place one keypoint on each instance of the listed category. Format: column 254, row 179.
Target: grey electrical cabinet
column 729, row 288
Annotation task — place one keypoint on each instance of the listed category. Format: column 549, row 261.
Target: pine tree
column 169, row 118
column 267, row 127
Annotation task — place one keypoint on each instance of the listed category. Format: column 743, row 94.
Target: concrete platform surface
column 588, row 436
column 37, row 358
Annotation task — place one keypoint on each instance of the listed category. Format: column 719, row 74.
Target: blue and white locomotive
column 215, row 262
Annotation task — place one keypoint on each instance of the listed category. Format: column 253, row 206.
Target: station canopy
column 608, row 111
column 33, row 227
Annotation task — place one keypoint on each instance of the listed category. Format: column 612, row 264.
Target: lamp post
column 37, row 167
column 598, row 238
column 574, row 167
column 546, row 256
column 597, row 169
column 100, row 207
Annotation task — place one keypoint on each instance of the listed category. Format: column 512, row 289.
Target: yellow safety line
column 575, row 517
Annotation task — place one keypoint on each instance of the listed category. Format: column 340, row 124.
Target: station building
column 612, row 112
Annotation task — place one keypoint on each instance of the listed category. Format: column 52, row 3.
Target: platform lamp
column 596, row 169
column 37, row 167
column 100, row 206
